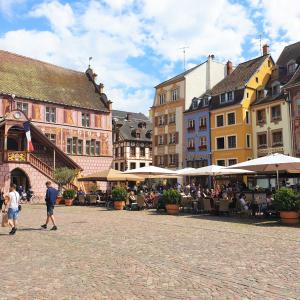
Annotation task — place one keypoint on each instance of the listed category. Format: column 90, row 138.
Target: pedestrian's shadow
column 29, row 229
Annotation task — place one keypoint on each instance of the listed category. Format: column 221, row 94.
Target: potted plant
column 63, row 176
column 119, row 195
column 287, row 202
column 172, row 199
column 69, row 196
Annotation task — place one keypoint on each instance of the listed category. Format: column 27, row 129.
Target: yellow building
column 231, row 129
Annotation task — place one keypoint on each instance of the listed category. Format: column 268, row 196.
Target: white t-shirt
column 14, row 200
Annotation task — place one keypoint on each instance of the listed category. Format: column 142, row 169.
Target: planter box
column 69, row 202
column 119, row 205
column 172, row 209
column 59, row 200
column 289, row 217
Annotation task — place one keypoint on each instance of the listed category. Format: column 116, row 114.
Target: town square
column 150, row 149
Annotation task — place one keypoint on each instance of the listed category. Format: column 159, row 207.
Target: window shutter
column 156, row 140
column 176, row 160
column 156, row 121
column 166, row 160
column 176, row 137
column 165, row 119
column 165, row 139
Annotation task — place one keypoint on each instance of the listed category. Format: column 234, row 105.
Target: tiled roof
column 216, row 104
column 200, row 102
column 268, row 99
column 289, row 52
column 239, row 77
column 33, row 79
column 123, row 114
column 127, row 127
column 295, row 80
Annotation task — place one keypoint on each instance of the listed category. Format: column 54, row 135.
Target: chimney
column 265, row 49
column 229, row 68
column 128, row 116
column 101, row 88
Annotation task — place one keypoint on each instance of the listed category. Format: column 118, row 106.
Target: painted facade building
column 172, row 98
column 291, row 64
column 132, row 140
column 70, row 120
column 271, row 120
column 197, row 133
column 231, row 128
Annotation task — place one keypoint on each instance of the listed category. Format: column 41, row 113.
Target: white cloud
column 6, row 6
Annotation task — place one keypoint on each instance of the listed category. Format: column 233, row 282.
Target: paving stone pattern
column 100, row 254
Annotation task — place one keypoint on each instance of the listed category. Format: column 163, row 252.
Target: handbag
column 4, row 222
column 19, row 207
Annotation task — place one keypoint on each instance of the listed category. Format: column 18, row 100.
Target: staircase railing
column 41, row 166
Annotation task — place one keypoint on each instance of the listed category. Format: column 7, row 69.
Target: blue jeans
column 13, row 213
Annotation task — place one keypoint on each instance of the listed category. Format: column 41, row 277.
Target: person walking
column 12, row 208
column 51, row 195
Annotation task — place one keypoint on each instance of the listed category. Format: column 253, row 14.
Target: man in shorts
column 50, row 199
column 12, row 208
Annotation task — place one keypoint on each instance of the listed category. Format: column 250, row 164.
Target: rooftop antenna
column 183, row 51
column 260, row 45
column 90, row 58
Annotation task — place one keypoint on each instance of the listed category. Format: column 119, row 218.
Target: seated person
column 131, row 199
column 267, row 205
column 243, row 203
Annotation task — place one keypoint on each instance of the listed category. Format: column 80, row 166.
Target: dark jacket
column 51, row 196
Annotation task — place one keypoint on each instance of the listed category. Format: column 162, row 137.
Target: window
column 121, row 166
column 291, row 68
column 203, row 123
column 172, row 159
column 175, row 94
column 142, row 165
column 262, row 140
column 161, row 120
column 260, row 94
column 261, row 116
column 248, row 140
column 231, row 140
column 132, row 151
column 142, row 152
column 220, row 143
column 191, row 124
column 116, row 166
column 22, row 106
column 276, row 89
column 205, row 101
column 97, row 148
column 276, row 113
column 117, row 152
column 231, row 118
column 195, row 104
column 277, row 138
column 132, row 165
column 172, row 118
column 88, row 147
column 85, row 119
column 172, row 138
column 298, row 107
column 160, row 139
column 80, row 147
column 230, row 96
column 162, row 98
column 203, row 143
column 93, row 147
column 69, row 146
column 122, row 151
column 221, row 162
column 220, row 120
column 51, row 137
column 232, row 161
column 223, row 98
column 191, row 144
column 50, row 114
column 247, row 117
column 256, row 79
column 74, row 146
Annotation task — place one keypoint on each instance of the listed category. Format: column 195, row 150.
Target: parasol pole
column 277, row 175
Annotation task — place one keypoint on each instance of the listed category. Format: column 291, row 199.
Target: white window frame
column 230, row 112
column 191, row 143
column 236, row 142
column 172, row 138
column 175, row 94
column 201, row 139
column 160, row 140
column 221, row 160
column 162, row 98
column 204, row 124
column 298, row 107
column 216, row 120
column 227, row 98
column 217, row 137
column 276, row 118
column 51, row 114
column 22, row 104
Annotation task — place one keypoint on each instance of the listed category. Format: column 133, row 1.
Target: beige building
column 132, row 142
column 172, row 98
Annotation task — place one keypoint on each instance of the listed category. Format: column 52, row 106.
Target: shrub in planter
column 172, row 199
column 287, row 202
column 119, row 195
column 69, row 196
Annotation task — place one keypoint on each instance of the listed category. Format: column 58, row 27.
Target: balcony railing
column 15, row 156
column 203, row 127
column 203, row 147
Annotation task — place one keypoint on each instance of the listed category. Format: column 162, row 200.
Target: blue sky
column 135, row 44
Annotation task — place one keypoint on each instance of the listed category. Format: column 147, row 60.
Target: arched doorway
column 16, row 139
column 20, row 178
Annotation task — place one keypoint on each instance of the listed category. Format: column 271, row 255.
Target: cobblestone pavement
column 100, row 254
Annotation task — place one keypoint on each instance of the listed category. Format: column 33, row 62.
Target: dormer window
column 142, row 125
column 205, row 101
column 230, row 96
column 260, row 94
column 223, row 98
column 291, row 67
column 194, row 104
column 276, row 89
